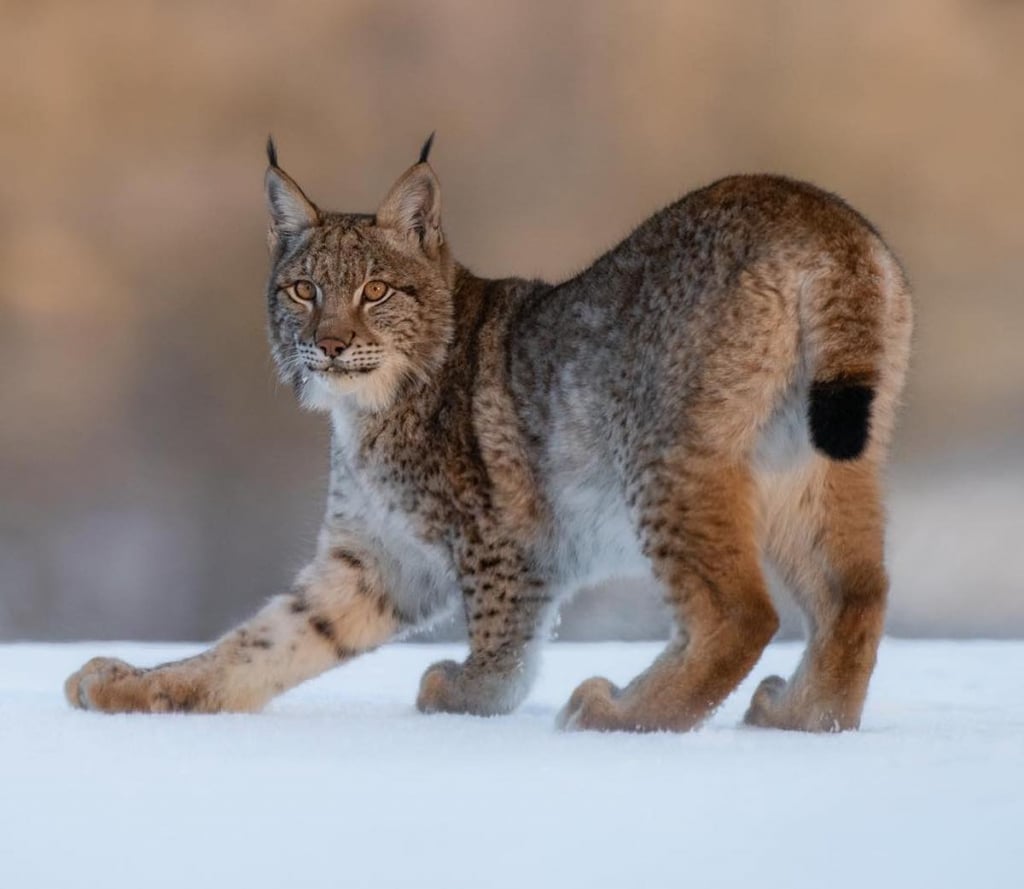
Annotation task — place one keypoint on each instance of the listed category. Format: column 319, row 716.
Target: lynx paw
column 448, row 687
column 775, row 706
column 89, row 688
column 112, row 686
column 594, row 707
column 765, row 708
column 438, row 688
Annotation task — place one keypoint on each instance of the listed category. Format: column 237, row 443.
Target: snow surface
column 342, row 784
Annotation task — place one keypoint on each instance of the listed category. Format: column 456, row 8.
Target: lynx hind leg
column 698, row 530
column 828, row 547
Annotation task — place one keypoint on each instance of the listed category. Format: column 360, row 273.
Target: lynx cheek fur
column 715, row 393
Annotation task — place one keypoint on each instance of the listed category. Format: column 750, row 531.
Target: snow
column 342, row 784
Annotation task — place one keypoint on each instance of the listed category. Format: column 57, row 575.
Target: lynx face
column 358, row 304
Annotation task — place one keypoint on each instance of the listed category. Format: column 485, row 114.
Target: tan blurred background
column 154, row 480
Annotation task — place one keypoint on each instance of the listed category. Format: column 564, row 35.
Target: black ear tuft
column 425, row 150
column 271, row 151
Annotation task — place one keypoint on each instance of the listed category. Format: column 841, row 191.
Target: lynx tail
column 845, row 319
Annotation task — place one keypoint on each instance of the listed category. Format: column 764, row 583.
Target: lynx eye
column 303, row 291
column 374, row 291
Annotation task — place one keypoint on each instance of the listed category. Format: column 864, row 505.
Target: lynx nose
column 332, row 346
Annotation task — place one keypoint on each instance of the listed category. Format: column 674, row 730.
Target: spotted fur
column 716, row 392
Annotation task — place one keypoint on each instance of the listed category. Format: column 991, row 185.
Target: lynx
column 714, row 394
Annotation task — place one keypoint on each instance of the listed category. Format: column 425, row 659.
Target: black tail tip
column 271, row 151
column 840, row 417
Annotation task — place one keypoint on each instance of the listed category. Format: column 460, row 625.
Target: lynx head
column 359, row 304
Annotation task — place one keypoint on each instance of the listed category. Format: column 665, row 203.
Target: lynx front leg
column 506, row 611
column 336, row 610
column 697, row 528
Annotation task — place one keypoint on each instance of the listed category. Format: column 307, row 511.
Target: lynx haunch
column 715, row 393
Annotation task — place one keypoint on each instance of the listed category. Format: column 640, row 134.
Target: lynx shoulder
column 716, row 393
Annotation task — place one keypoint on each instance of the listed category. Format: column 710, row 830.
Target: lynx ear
column 290, row 210
column 413, row 207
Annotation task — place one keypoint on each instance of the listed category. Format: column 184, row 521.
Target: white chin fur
column 373, row 391
column 322, row 393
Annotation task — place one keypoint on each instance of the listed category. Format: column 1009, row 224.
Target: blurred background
column 156, row 483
